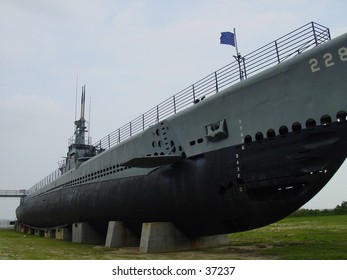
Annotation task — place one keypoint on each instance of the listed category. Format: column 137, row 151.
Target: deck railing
column 289, row 45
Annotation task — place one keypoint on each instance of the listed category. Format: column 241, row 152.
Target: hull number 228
column 328, row 60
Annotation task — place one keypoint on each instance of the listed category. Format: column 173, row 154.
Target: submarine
column 240, row 149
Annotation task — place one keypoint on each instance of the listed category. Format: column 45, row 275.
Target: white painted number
column 328, row 59
column 343, row 53
column 314, row 65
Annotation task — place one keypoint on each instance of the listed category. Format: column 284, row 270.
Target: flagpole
column 229, row 38
column 237, row 50
column 238, row 57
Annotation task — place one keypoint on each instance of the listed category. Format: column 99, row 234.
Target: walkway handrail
column 289, row 45
column 13, row 193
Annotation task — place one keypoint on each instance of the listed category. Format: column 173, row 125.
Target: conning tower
column 80, row 148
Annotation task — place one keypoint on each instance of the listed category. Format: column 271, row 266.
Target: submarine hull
column 245, row 157
column 229, row 190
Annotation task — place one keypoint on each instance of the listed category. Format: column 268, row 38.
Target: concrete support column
column 17, row 226
column 165, row 237
column 85, row 233
column 39, row 232
column 25, row 229
column 118, row 235
column 22, row 228
column 162, row 237
column 50, row 233
column 63, row 234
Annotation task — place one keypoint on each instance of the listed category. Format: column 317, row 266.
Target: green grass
column 297, row 238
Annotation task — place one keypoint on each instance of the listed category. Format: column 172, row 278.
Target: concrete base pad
column 209, row 241
column 118, row 235
column 165, row 237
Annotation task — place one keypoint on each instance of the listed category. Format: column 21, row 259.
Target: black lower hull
column 234, row 189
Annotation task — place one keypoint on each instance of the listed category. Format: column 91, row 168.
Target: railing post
column 216, row 79
column 277, row 53
column 238, row 59
column 244, row 67
column 130, row 129
column 109, row 141
column 157, row 113
column 143, row 121
column 328, row 30
column 193, row 93
column 118, row 135
column 174, row 102
column 314, row 34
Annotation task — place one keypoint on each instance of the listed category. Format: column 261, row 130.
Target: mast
column 89, row 126
column 81, row 127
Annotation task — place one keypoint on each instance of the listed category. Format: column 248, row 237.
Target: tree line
column 338, row 210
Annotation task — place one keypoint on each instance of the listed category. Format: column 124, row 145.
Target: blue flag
column 227, row 38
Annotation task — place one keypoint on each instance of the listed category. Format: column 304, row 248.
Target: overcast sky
column 131, row 55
